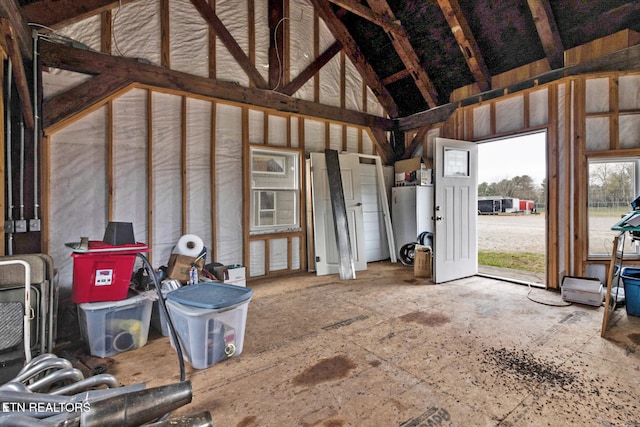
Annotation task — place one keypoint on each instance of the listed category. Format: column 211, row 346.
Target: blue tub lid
column 212, row 295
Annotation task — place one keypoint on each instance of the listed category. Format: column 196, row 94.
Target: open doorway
column 512, row 177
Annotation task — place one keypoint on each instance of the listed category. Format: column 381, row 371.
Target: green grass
column 518, row 260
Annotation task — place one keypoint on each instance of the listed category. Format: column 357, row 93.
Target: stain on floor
column 426, row 319
column 330, row 369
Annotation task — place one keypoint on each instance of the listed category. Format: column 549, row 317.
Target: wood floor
column 387, row 349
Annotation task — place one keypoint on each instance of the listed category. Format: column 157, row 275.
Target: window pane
column 267, row 200
column 611, row 191
column 456, row 162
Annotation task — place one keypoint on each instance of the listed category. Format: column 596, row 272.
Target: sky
column 507, row 158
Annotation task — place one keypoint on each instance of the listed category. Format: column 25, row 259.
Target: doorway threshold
column 520, row 277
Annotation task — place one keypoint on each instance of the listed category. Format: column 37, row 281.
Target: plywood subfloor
column 387, row 349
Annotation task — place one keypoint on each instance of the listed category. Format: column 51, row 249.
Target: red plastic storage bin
column 103, row 273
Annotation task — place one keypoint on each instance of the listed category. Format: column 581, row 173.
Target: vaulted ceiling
column 414, row 54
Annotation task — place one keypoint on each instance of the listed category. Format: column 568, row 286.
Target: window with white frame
column 613, row 185
column 275, row 190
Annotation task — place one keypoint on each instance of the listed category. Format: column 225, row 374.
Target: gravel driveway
column 526, row 233
column 512, row 233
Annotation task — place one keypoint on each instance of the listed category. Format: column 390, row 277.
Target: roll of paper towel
column 189, row 245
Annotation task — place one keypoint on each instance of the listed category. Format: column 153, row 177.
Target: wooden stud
column 566, row 168
column 150, row 198
column 580, row 214
column 327, row 135
column 526, row 109
column 286, row 60
column 212, row 45
column 246, row 191
column 212, row 180
column 469, row 130
column 276, row 43
column 316, row 53
column 110, row 162
column 106, row 32
column 251, row 29
column 165, row 37
column 553, row 184
column 183, row 165
column 614, row 108
column 492, row 118
column 288, row 119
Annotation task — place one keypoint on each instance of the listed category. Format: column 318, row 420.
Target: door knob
column 438, row 218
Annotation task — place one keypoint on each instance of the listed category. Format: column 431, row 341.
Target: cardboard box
column 413, row 171
column 422, row 261
column 231, row 274
column 179, row 266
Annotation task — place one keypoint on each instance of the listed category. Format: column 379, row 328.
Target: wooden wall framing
column 567, row 161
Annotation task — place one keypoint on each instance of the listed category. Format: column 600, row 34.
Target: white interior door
column 455, row 214
column 326, row 248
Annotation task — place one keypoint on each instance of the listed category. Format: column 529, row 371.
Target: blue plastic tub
column 631, row 279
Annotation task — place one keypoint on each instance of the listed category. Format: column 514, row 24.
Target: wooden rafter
column 9, row 10
column 81, row 98
column 352, row 50
column 20, row 76
column 402, row 45
column 395, row 77
column 230, row 43
column 362, row 11
column 384, row 150
column 547, row 31
column 467, row 42
column 59, row 13
column 312, row 69
column 90, row 62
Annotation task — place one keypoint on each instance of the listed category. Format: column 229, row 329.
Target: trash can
column 210, row 320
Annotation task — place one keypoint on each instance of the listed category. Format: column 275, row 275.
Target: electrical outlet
column 34, row 225
column 21, row 226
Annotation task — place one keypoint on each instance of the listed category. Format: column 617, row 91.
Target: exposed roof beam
column 395, row 77
column 362, row 11
column 467, row 42
column 82, row 98
column 547, row 31
column 9, row 9
column 22, row 85
column 384, row 150
column 230, row 43
column 402, row 45
column 91, row 62
column 352, row 50
column 59, row 13
column 312, row 69
column 622, row 60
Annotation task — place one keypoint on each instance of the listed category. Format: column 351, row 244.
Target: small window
column 612, row 188
column 275, row 188
column 456, row 162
